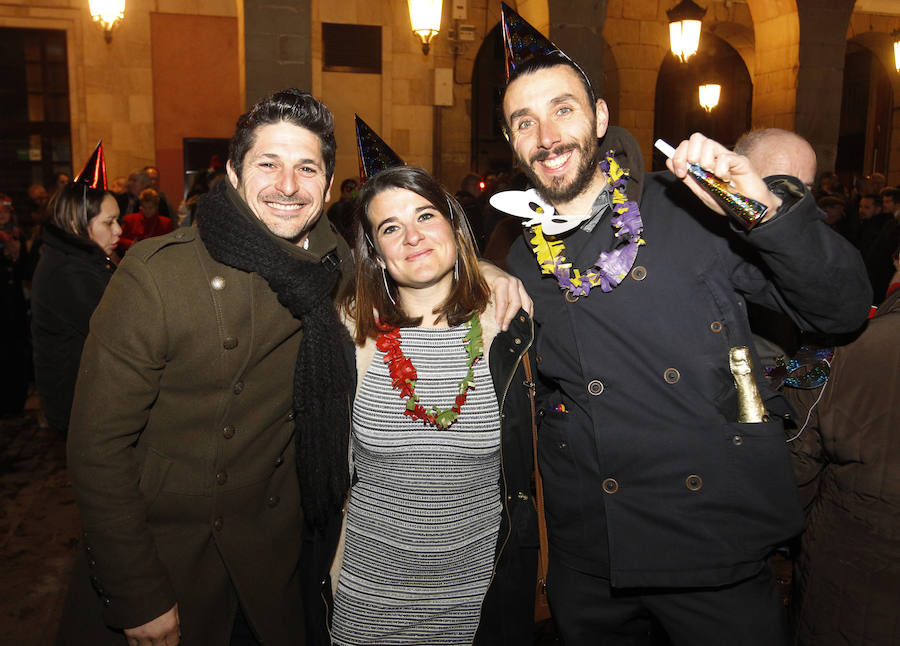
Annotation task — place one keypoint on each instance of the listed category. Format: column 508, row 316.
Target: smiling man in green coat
column 187, row 423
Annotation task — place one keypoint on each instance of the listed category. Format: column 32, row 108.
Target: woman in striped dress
column 439, row 540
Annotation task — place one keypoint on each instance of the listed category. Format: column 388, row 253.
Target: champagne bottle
column 750, row 404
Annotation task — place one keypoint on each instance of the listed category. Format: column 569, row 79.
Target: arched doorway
column 866, row 109
column 490, row 151
column 677, row 111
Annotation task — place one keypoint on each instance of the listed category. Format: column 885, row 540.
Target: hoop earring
column 386, row 288
column 456, row 268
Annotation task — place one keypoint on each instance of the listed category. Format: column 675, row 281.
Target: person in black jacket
column 663, row 500
column 71, row 275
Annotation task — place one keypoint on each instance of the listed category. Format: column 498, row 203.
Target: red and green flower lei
column 403, row 374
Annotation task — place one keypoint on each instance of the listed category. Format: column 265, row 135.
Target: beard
column 559, row 189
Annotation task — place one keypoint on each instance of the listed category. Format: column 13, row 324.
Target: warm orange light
column 709, row 95
column 425, row 19
column 107, row 13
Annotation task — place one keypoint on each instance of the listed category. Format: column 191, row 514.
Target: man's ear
column 328, row 190
column 602, row 117
column 232, row 176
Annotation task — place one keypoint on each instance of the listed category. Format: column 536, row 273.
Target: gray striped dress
column 423, row 517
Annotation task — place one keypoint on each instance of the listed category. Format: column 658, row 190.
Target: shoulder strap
column 543, row 556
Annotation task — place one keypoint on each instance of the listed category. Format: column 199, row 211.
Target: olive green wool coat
column 181, row 448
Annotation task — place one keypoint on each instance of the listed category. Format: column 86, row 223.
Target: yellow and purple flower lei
column 612, row 266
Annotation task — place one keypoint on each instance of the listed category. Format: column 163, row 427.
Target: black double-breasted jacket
column 649, row 479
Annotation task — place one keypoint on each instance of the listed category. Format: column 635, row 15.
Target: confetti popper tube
column 746, row 211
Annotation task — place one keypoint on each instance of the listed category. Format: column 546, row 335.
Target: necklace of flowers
column 612, row 266
column 403, row 374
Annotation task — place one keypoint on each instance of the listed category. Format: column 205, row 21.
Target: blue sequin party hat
column 374, row 154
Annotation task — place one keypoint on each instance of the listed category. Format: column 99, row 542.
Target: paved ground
column 39, row 529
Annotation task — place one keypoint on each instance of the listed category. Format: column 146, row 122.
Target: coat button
column 595, row 387
column 571, row 297
column 610, row 485
column 671, row 375
column 238, row 388
column 539, row 359
column 522, row 496
column 228, row 432
column 217, row 283
column 693, row 482
column 230, row 343
column 221, row 478
column 106, row 601
column 517, row 341
column 639, row 272
column 279, row 461
column 563, row 444
column 716, row 326
column 218, row 523
column 737, row 440
column 92, row 564
column 521, row 318
column 292, row 415
column 272, row 501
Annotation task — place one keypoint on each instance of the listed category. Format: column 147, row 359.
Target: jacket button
column 221, row 478
column 522, row 318
column 106, row 601
column 539, row 359
column 279, row 461
column 571, row 297
column 517, row 341
column 292, row 415
column 217, row 283
column 522, row 495
column 693, row 482
column 228, row 432
column 595, row 387
column 272, row 501
column 610, row 485
column 672, row 376
column 639, row 272
column 92, row 563
column 716, row 326
column 218, row 523
column 238, row 388
column 230, row 342
column 737, row 440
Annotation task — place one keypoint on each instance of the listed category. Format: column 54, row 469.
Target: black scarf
column 322, row 378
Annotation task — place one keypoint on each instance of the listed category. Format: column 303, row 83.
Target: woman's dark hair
column 469, row 293
column 73, row 206
column 294, row 106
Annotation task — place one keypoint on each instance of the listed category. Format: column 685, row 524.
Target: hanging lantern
column 709, row 96
column 425, row 18
column 685, row 20
column 106, row 13
column 896, row 36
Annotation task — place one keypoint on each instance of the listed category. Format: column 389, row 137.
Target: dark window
column 35, row 139
column 351, row 48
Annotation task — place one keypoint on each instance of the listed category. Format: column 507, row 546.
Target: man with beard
column 662, row 504
column 210, row 423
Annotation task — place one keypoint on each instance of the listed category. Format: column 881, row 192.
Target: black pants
column 588, row 611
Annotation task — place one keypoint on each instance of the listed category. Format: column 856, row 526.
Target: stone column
column 278, row 42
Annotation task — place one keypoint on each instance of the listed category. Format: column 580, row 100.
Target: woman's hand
column 508, row 293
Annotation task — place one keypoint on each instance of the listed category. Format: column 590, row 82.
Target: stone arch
column 879, row 44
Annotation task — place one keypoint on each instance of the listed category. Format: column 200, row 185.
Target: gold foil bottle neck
column 750, row 405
